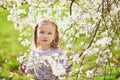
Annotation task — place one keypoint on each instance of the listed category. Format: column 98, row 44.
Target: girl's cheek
column 40, row 35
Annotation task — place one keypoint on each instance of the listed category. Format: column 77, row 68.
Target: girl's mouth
column 44, row 40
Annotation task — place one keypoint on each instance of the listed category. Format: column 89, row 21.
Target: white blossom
column 105, row 33
column 25, row 42
column 90, row 73
column 82, row 43
column 68, row 45
column 91, row 51
column 76, row 58
column 104, row 41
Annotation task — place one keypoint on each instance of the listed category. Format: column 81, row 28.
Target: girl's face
column 46, row 34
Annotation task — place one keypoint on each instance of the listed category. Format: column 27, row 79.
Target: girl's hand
column 22, row 67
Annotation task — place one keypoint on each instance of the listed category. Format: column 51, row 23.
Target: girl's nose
column 45, row 35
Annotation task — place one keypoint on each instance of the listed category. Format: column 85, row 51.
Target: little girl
column 47, row 54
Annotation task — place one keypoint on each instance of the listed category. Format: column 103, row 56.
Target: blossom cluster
column 52, row 63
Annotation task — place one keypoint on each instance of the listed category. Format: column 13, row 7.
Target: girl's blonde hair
column 55, row 42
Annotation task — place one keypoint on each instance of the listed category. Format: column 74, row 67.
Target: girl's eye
column 41, row 32
column 49, row 33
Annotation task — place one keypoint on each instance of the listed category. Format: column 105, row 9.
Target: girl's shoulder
column 34, row 52
column 59, row 51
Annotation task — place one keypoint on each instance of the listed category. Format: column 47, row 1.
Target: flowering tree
column 90, row 27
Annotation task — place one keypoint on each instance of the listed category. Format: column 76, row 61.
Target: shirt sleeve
column 64, row 61
column 30, row 62
column 29, row 69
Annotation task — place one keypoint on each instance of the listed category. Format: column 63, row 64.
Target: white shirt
column 43, row 69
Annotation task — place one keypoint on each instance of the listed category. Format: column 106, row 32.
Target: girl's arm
column 22, row 67
column 64, row 61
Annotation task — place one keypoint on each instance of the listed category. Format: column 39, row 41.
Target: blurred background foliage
column 10, row 49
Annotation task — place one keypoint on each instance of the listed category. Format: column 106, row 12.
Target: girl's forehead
column 47, row 27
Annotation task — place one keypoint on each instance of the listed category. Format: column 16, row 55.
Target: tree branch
column 92, row 38
column 71, row 7
column 105, row 70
